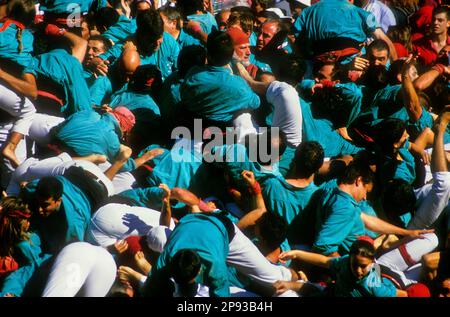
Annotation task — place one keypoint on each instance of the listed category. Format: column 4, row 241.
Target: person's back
column 197, row 232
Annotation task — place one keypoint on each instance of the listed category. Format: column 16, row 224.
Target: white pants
column 431, row 199
column 18, row 107
column 244, row 126
column 33, row 169
column 81, row 269
column 41, row 126
column 115, row 222
column 287, row 113
column 403, row 258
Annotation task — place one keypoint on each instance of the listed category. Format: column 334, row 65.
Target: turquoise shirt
column 207, row 21
column 324, row 20
column 30, row 257
column 150, row 197
column 285, row 199
column 120, row 31
column 9, row 45
column 170, row 96
column 216, row 94
column 196, row 232
column 185, row 39
column 69, row 6
column 165, row 57
column 371, row 285
column 67, row 71
column 100, row 91
column 321, row 130
column 87, row 133
column 338, row 222
column 175, row 168
column 391, row 168
column 264, row 67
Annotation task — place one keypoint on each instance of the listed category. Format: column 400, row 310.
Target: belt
column 97, row 179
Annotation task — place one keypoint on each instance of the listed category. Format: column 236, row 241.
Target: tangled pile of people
column 195, row 148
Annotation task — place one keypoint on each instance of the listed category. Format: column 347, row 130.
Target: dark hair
column 10, row 224
column 398, row 198
column 273, row 229
column 375, row 77
column 22, row 11
column 357, row 168
column 442, row 9
column 150, row 28
column 105, row 18
column 220, row 49
column 389, row 131
column 362, row 248
column 378, row 45
column 401, row 34
column 308, row 159
column 185, row 265
column 193, row 55
column 172, row 13
column 140, row 82
column 291, row 69
column 190, row 7
column 394, row 70
column 106, row 42
column 49, row 187
column 263, row 3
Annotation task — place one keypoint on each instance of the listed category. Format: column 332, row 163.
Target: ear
column 358, row 181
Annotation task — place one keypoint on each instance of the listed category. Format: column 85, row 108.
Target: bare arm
column 78, row 46
column 251, row 218
column 149, row 155
column 25, row 86
column 308, row 257
column 379, row 34
column 121, row 159
column 438, row 158
column 166, row 211
column 412, row 102
column 383, row 227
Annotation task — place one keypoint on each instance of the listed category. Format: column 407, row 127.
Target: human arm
column 308, row 257
column 380, row 226
column 121, row 158
column 251, row 218
column 427, row 79
column 78, row 45
column 166, row 211
column 149, row 155
column 412, row 102
column 25, row 86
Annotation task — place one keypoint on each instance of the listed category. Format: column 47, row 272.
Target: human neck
column 301, row 182
column 440, row 38
column 347, row 188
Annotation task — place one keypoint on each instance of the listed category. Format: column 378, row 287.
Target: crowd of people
column 195, row 148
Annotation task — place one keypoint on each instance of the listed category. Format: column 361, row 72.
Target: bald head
column 129, row 61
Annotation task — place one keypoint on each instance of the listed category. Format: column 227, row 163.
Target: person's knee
column 432, row 240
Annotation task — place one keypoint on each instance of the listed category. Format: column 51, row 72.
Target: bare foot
column 127, row 274
column 9, row 152
column 142, row 262
column 124, row 153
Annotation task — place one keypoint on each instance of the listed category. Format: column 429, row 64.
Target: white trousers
column 21, row 108
column 431, row 201
column 287, row 113
column 33, row 169
column 41, row 126
column 402, row 259
column 83, row 270
column 115, row 222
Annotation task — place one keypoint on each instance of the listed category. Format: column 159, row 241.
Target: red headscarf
column 125, row 118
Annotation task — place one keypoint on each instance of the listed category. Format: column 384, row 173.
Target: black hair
column 106, row 42
column 263, row 3
column 150, row 28
column 389, row 131
column 375, row 77
column 442, row 9
column 185, row 266
column 273, row 229
column 290, row 69
column 22, row 11
column 394, row 70
column 378, row 45
column 220, row 49
column 49, row 187
column 172, row 13
column 146, row 78
column 308, row 159
column 190, row 7
column 105, row 18
column 362, row 248
column 398, row 199
column 357, row 168
column 193, row 55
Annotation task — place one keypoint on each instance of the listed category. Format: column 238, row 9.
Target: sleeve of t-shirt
column 113, row 53
column 370, row 23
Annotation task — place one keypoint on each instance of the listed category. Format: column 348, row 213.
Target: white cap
column 304, row 2
column 278, row 12
column 157, row 238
